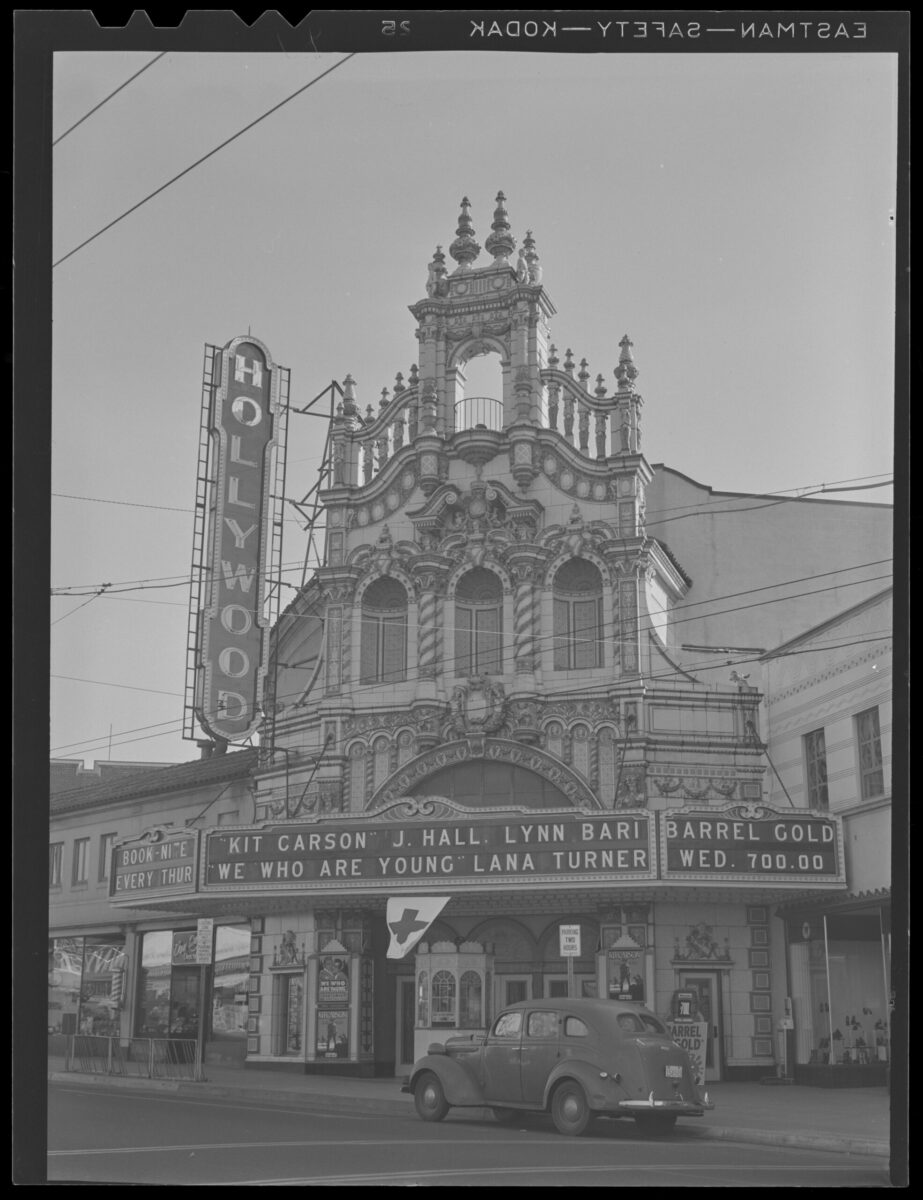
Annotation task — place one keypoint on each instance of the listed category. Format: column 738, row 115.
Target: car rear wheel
column 569, row 1109
column 505, row 1116
column 655, row 1124
column 429, row 1098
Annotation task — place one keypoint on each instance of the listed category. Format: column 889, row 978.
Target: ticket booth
column 452, row 990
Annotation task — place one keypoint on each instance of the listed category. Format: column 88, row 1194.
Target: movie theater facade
column 484, row 696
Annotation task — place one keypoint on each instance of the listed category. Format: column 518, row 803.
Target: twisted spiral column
column 524, row 626
column 440, row 632
column 426, row 650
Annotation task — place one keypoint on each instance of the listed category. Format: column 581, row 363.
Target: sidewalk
column 848, row 1120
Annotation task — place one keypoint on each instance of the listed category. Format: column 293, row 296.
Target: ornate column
column 430, row 585
column 426, row 630
column 524, row 568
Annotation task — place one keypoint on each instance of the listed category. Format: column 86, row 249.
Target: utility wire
column 99, row 743
column 71, row 611
column 199, row 161
column 107, row 98
column 128, row 686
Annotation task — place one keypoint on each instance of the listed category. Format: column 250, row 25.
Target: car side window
column 574, row 1027
column 629, row 1023
column 542, row 1025
column 653, row 1024
column 508, row 1025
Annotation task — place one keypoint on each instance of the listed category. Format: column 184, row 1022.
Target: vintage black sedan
column 577, row 1059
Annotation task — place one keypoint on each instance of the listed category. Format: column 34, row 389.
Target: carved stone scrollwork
column 477, row 707
column 701, row 945
column 526, row 721
column 631, row 792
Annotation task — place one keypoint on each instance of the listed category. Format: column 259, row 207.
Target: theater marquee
column 751, row 843
column 536, row 848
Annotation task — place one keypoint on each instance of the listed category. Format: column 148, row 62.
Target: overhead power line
column 234, row 136
column 105, row 100
column 100, row 742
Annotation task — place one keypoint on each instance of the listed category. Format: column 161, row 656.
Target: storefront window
column 65, row 965
column 840, row 991
column 229, row 982
column 86, row 983
column 154, row 992
column 101, row 988
column 170, row 984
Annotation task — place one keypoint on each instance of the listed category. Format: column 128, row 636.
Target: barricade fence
column 150, row 1058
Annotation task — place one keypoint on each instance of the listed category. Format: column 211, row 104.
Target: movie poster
column 333, row 1033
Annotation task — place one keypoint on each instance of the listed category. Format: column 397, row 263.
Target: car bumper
column 687, row 1108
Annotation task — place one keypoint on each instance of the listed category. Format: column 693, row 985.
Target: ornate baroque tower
column 488, row 582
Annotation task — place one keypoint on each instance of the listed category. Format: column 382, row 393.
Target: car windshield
column 629, row 1023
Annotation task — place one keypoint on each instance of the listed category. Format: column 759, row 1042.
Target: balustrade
column 596, row 425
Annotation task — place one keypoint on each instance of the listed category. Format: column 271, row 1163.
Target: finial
column 600, row 388
column 369, row 413
column 414, row 374
column 435, row 285
column 349, row 396
column 500, row 243
column 383, row 402
column 464, row 249
column 583, row 374
column 398, row 383
column 553, row 359
column 626, row 372
column 535, row 269
column 569, row 361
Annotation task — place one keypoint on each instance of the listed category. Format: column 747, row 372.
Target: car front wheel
column 429, row 1098
column 569, row 1109
column 655, row 1124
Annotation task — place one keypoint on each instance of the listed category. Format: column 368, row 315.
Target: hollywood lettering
column 233, row 632
column 592, row 847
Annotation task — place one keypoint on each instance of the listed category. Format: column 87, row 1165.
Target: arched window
column 469, row 1001
column 578, row 616
column 479, row 624
column 384, row 633
column 443, row 1012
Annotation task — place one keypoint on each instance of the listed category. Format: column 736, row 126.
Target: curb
column 372, row 1106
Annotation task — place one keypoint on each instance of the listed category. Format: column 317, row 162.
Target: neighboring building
column 828, row 727
column 500, row 690
column 116, row 973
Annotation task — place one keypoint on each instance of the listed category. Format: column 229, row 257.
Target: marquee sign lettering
column 751, row 842
column 541, row 848
column 233, row 639
column 158, row 864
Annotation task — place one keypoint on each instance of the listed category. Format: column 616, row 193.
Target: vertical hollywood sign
column 233, row 637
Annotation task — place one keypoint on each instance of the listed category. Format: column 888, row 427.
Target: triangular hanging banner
column 408, row 919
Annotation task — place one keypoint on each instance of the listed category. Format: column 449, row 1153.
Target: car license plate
column 672, row 1071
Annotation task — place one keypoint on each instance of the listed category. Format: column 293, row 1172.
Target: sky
column 734, row 214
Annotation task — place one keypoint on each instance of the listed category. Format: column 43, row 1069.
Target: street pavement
column 850, row 1120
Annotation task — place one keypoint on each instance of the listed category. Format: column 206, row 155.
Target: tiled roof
column 70, row 775
column 177, row 778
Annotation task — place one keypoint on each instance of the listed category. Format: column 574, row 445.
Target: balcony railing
column 479, row 412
